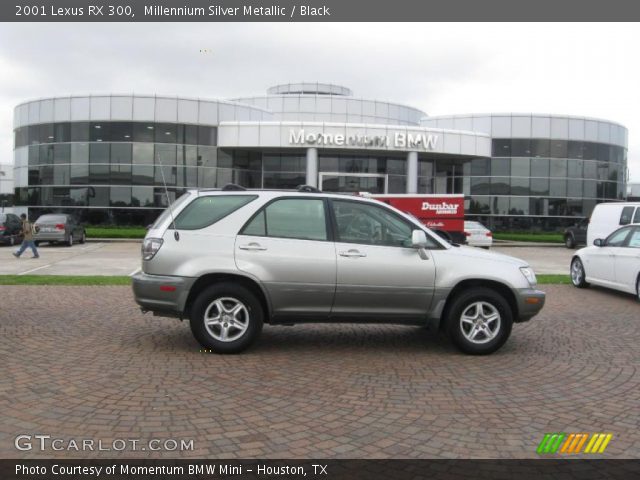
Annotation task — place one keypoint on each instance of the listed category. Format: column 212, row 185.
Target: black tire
column 70, row 240
column 638, row 288
column 83, row 238
column 577, row 273
column 569, row 241
column 490, row 302
column 12, row 240
column 205, row 303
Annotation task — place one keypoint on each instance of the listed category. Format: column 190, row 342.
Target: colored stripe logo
column 572, row 443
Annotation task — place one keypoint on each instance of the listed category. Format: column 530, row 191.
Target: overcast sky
column 448, row 68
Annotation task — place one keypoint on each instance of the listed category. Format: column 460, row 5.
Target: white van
column 607, row 217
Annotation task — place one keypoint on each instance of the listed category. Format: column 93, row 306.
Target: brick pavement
column 83, row 362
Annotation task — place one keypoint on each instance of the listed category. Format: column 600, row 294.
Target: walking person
column 27, row 241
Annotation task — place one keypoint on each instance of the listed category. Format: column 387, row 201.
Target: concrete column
column 312, row 167
column 412, row 172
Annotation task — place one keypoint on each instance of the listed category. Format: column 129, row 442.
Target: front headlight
column 150, row 247
column 530, row 275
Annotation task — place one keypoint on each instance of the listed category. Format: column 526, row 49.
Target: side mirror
column 418, row 239
column 598, row 242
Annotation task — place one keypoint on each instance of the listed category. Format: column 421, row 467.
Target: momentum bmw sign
column 422, row 141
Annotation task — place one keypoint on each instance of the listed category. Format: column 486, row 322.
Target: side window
column 636, row 217
column 625, row 216
column 617, row 238
column 299, row 218
column 205, row 211
column 634, row 239
column 370, row 225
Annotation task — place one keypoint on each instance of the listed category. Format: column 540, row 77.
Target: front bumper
column 161, row 294
column 530, row 302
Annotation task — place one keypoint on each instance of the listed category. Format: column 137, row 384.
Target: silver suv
column 230, row 260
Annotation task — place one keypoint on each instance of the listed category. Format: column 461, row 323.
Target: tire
column 83, row 238
column 638, row 288
column 242, row 328
column 12, row 240
column 569, row 241
column 577, row 273
column 495, row 316
column 70, row 241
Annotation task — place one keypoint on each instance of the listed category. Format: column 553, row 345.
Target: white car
column 478, row 235
column 613, row 262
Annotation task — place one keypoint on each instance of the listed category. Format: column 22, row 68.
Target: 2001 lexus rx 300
column 230, row 260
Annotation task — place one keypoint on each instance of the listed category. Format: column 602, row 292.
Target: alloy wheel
column 226, row 319
column 577, row 272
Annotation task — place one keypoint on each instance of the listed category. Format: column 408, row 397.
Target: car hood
column 478, row 253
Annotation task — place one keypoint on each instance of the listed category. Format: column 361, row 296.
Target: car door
column 600, row 264
column 379, row 275
column 627, row 262
column 287, row 246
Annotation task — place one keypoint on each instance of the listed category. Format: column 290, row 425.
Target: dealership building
column 106, row 158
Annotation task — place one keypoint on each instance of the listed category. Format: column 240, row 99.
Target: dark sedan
column 10, row 228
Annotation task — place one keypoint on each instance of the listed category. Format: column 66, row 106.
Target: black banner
column 320, row 469
column 315, row 10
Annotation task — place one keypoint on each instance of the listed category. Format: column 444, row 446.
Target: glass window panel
column 398, row 184
column 539, row 186
column 207, row 135
column 603, row 152
column 247, row 178
column 165, row 155
column 34, row 176
column 191, row 177
column 191, row 134
column 34, row 155
column 480, row 185
column 100, row 132
column 557, row 206
column 520, row 167
column 121, row 131
column 46, row 154
column 574, row 188
column 79, row 196
column 79, row 153
column 121, row 174
column 142, row 197
column 479, row 205
column 61, row 175
column 520, row 186
column 296, row 218
column 575, row 149
column 99, row 153
column 62, row 132
column 590, row 151
column 425, row 185
column 207, row 157
column 79, row 174
column 165, row 133
column 283, row 180
column 500, row 186
column 34, row 134
column 328, row 163
column 574, row 168
column 574, row 207
column 540, row 147
column 590, row 189
column 62, row 153
column 519, row 206
column 480, row 167
column 143, row 132
column 190, row 156
column 590, row 170
column 99, row 196
column 558, row 149
column 207, row 177
column 46, row 133
column 557, row 187
column 206, row 211
column 142, row 154
column 558, row 167
column 169, row 172
column 501, row 147
column 142, row 174
column 98, row 173
column 271, row 163
column 500, row 167
column 520, row 147
column 500, row 205
column 80, row 131
column 46, row 175
column 539, row 167
column 121, row 153
column 257, row 226
column 120, row 197
column 292, row 163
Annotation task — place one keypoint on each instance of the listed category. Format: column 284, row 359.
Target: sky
column 581, row 69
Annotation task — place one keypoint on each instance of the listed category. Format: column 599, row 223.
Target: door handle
column 252, row 247
column 352, row 254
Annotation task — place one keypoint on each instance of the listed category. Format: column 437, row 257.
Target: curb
column 115, row 240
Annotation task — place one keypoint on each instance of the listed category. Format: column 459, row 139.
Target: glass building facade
column 115, row 159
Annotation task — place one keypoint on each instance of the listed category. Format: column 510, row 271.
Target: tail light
column 59, row 226
column 2, row 229
column 150, row 247
column 489, row 234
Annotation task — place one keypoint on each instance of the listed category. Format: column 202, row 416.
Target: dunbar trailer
column 444, row 213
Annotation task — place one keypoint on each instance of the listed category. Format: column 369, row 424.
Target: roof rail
column 232, row 187
column 307, row 188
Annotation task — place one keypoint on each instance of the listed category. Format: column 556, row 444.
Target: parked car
column 613, row 262
column 607, row 217
column 10, row 228
column 477, row 234
column 232, row 260
column 576, row 234
column 58, row 228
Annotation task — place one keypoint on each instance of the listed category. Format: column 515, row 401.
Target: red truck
column 444, row 213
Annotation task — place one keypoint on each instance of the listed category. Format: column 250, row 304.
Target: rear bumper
column 161, row 294
column 50, row 237
column 530, row 302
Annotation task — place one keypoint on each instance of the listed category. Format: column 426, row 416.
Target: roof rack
column 307, row 188
column 232, row 187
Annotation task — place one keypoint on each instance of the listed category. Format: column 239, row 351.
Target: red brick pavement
column 83, row 362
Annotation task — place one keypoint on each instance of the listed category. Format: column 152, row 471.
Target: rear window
column 636, row 218
column 205, row 211
column 625, row 216
column 52, row 219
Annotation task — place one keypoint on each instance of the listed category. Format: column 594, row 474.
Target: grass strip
column 530, row 237
column 553, row 279
column 124, row 232
column 63, row 280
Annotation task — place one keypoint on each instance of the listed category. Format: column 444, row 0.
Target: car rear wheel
column 577, row 273
column 83, row 238
column 569, row 241
column 226, row 318
column 12, row 240
column 479, row 321
column 638, row 288
column 70, row 241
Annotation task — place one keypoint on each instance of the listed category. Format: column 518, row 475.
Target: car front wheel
column 569, row 242
column 638, row 288
column 479, row 321
column 577, row 273
column 226, row 318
